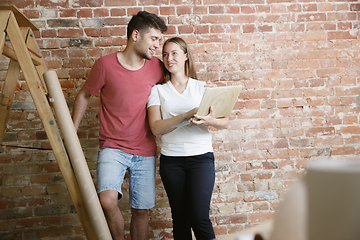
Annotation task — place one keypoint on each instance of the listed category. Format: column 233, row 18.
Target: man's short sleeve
column 96, row 78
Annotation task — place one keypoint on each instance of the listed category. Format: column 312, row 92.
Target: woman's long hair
column 190, row 70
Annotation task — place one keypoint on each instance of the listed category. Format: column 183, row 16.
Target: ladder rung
column 9, row 52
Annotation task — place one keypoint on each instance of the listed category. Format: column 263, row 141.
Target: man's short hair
column 143, row 21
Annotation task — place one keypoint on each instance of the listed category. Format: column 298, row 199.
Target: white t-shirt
column 187, row 140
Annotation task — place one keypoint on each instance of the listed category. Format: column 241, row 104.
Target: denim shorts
column 111, row 168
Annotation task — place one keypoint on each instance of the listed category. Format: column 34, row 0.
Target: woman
column 187, row 160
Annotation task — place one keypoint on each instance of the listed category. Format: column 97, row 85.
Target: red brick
column 261, row 217
column 70, row 33
column 54, row 232
column 53, row 64
column 325, row 7
column 248, row 9
column 84, row 13
column 116, row 12
column 185, row 29
column 133, row 11
column 51, row 167
column 88, row 3
column 67, row 13
column 343, row 151
column 92, row 32
column 244, row 19
column 265, row 28
column 250, row 2
column 101, row 13
column 52, row 4
column 77, row 63
column 48, row 43
column 112, row 3
column 77, row 53
column 48, row 33
column 355, row 7
column 263, row 176
column 20, row 3
column 247, row 177
column 231, row 219
column 219, row 9
column 5, row 159
column 333, row 35
column 217, row 29
column 249, row 28
column 31, row 13
column 181, row 10
column 335, row 16
column 218, row 230
column 29, row 222
column 166, row 10
column 216, row 19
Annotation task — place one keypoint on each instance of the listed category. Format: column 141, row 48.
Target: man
column 126, row 143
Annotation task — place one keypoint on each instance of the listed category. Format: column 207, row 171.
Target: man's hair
column 143, row 20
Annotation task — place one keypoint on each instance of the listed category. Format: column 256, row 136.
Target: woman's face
column 174, row 58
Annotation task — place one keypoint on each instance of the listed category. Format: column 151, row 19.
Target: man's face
column 148, row 42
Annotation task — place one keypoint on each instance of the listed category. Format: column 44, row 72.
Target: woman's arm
column 159, row 126
column 210, row 120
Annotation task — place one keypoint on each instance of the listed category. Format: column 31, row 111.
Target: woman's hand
column 210, row 120
column 191, row 113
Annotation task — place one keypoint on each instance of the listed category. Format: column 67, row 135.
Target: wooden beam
column 11, row 79
column 34, row 48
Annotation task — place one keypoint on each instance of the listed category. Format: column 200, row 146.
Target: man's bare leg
column 114, row 218
column 139, row 227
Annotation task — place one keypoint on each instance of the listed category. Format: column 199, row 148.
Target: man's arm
column 80, row 104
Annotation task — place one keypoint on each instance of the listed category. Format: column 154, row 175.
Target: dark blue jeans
column 189, row 183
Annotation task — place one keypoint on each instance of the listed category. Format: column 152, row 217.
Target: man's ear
column 135, row 35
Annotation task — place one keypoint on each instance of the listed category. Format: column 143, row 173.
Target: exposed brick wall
column 298, row 63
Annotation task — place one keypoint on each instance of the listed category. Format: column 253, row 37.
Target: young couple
column 132, row 110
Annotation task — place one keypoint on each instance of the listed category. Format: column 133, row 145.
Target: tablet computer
column 222, row 99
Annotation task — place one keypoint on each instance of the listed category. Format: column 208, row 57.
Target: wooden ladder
column 24, row 54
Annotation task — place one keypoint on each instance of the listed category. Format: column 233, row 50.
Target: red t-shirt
column 124, row 93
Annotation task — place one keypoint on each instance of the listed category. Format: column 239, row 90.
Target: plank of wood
column 222, row 99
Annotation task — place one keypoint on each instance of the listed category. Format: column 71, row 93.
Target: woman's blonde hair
column 190, row 70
